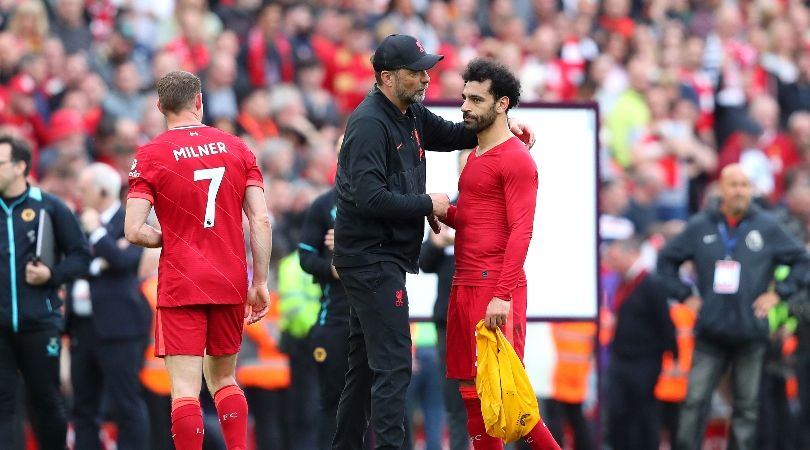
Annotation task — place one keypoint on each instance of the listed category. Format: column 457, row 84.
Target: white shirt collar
column 107, row 215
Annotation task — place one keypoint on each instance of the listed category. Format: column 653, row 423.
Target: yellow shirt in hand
column 508, row 402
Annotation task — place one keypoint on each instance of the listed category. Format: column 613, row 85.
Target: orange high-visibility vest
column 574, row 342
column 154, row 375
column 261, row 364
column 673, row 381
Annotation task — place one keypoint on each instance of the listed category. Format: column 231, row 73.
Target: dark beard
column 481, row 123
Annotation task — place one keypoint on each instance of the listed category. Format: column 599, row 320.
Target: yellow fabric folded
column 508, row 402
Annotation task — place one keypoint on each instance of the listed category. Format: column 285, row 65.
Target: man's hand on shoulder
column 258, row 303
column 522, row 131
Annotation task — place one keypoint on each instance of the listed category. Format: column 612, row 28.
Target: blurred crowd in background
column 683, row 88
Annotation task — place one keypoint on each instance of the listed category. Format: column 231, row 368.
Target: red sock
column 475, row 421
column 233, row 416
column 540, row 438
column 187, row 424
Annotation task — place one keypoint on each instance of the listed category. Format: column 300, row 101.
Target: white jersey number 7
column 215, row 175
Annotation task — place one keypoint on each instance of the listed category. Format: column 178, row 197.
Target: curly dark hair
column 504, row 82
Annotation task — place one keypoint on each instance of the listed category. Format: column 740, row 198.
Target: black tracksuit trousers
column 379, row 357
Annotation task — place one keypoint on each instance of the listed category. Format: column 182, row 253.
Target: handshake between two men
column 441, row 203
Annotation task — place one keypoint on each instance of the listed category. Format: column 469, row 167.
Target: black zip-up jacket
column 644, row 329
column 316, row 260
column 762, row 244
column 24, row 307
column 381, row 200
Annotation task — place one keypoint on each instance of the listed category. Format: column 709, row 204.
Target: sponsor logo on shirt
column 132, row 172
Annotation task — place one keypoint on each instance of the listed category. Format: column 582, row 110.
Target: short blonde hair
column 36, row 9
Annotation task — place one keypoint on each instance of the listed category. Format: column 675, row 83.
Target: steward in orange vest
column 673, row 381
column 574, row 343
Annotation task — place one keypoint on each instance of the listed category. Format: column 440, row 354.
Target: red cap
column 65, row 122
column 22, row 84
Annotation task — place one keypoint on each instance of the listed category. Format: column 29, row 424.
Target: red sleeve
column 519, row 174
column 141, row 177
column 450, row 219
column 254, row 175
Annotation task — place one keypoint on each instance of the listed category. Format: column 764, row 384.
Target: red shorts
column 468, row 305
column 199, row 330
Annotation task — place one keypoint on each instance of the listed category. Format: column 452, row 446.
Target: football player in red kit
column 493, row 221
column 199, row 180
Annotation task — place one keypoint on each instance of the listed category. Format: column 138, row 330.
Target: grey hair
column 104, row 177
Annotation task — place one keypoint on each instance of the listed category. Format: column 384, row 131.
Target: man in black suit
column 644, row 331
column 108, row 321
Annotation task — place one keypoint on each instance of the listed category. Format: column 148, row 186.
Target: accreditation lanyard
column 729, row 241
column 727, row 271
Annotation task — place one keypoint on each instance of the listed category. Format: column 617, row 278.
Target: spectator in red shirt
column 776, row 147
column 190, row 47
column 353, row 74
column 21, row 112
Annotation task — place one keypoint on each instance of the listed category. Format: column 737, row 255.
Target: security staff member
column 381, row 206
column 735, row 248
column 30, row 321
column 108, row 320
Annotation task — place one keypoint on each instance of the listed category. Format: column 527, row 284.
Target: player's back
column 198, row 176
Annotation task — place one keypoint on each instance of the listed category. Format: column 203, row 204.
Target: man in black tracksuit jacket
column 381, row 210
column 735, row 248
column 30, row 320
column 329, row 337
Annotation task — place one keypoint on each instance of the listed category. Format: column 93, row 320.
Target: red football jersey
column 494, row 218
column 196, row 177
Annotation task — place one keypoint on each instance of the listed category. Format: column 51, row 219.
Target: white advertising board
column 562, row 263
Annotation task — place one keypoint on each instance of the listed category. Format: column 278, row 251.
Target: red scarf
column 626, row 289
column 257, row 55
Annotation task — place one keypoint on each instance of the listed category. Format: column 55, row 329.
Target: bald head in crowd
column 735, row 191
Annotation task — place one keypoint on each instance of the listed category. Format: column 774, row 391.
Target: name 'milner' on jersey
column 196, row 177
